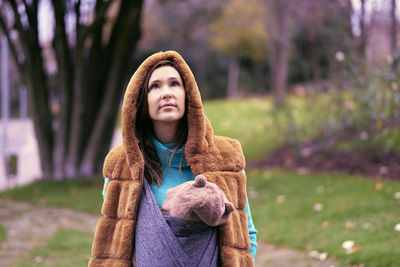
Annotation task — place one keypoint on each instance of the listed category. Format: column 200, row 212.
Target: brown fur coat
column 218, row 158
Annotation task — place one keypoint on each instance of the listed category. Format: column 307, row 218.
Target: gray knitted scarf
column 171, row 241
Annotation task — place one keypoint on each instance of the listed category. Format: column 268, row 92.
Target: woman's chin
column 169, row 119
column 172, row 117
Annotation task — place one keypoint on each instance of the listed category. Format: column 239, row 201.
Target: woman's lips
column 168, row 106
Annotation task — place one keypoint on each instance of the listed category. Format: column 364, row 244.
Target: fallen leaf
column 314, row 253
column 351, row 224
column 280, row 199
column 378, row 186
column 323, row 256
column 320, row 256
column 348, row 246
column 318, row 207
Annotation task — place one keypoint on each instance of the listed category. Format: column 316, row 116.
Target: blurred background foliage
column 303, row 71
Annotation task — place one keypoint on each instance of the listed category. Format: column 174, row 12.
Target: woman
column 167, row 140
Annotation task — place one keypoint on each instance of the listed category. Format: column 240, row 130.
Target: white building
column 17, row 137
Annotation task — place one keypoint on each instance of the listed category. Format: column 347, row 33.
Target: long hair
column 144, row 128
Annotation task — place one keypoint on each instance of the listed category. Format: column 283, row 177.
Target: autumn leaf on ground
column 378, row 186
column 318, row 207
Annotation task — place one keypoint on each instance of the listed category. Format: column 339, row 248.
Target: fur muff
column 220, row 159
column 198, row 200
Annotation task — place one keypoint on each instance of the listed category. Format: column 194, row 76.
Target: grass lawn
column 260, row 127
column 3, row 233
column 78, row 194
column 66, row 248
column 284, row 205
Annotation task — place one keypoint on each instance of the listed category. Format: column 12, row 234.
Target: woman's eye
column 175, row 83
column 153, row 86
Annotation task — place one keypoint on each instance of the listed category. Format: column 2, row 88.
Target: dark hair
column 144, row 128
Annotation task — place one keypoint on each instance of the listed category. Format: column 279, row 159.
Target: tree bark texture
column 92, row 71
column 393, row 36
column 233, row 77
column 277, row 23
column 393, row 28
column 363, row 31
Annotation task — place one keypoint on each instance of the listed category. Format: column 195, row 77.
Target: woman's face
column 166, row 96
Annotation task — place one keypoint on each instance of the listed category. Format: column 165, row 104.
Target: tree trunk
column 314, row 62
column 258, row 77
column 277, row 23
column 393, row 36
column 100, row 140
column 92, row 71
column 279, row 73
column 43, row 133
column 64, row 84
column 233, row 77
column 363, row 31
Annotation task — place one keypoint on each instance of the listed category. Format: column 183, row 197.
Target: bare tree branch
column 18, row 26
column 77, row 8
column 98, row 20
column 12, row 45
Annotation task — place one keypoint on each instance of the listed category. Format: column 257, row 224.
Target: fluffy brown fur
column 218, row 158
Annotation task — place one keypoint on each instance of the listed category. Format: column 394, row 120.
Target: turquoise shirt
column 173, row 177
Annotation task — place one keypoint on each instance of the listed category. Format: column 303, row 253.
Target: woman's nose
column 166, row 92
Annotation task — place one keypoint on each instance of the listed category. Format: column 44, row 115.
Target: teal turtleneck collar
column 172, row 176
column 164, row 152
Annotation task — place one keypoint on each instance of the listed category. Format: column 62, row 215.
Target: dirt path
column 30, row 226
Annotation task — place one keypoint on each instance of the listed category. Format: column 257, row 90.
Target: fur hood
column 200, row 134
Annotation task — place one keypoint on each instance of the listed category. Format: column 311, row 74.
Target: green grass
column 260, row 127
column 78, row 194
column 370, row 214
column 3, row 233
column 250, row 121
column 66, row 248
